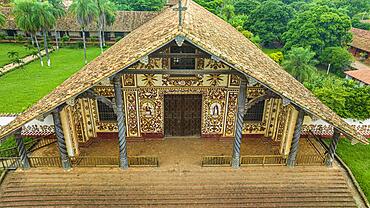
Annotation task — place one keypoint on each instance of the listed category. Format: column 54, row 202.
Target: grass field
column 7, row 47
column 357, row 158
column 23, row 87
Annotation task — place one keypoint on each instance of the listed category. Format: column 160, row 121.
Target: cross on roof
column 180, row 9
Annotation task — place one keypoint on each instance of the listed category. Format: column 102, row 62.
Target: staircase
column 214, row 187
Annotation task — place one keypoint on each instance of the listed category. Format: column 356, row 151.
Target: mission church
column 185, row 73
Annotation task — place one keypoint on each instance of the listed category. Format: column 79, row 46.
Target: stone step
column 176, row 202
column 157, row 193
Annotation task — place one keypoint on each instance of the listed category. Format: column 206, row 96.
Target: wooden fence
column 10, row 163
column 94, row 161
column 250, row 160
column 45, row 162
column 309, row 160
column 210, row 161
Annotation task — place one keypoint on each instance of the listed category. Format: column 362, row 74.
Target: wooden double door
column 182, row 115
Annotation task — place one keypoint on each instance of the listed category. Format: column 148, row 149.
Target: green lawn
column 268, row 51
column 23, row 87
column 357, row 158
column 7, row 47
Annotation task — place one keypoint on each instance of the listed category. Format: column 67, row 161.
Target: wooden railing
column 143, row 161
column 249, row 160
column 210, row 161
column 43, row 142
column 45, row 162
column 10, row 163
column 309, row 160
column 30, row 146
column 94, row 161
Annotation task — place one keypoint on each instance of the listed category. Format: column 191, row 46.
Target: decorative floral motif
column 129, row 80
column 149, row 79
column 168, row 80
column 214, row 79
column 131, row 109
column 231, row 114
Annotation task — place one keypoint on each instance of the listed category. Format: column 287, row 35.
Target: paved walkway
column 25, row 60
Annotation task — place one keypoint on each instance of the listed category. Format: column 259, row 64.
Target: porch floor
column 180, row 152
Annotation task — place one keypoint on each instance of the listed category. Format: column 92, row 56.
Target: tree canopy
column 318, row 27
column 269, row 21
column 140, row 5
column 339, row 58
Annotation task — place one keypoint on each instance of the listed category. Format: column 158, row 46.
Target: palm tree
column 58, row 11
column 85, row 11
column 299, row 63
column 24, row 18
column 107, row 16
column 2, row 19
column 44, row 18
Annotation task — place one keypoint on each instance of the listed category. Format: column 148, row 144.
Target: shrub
column 19, row 37
column 2, row 35
column 65, row 38
column 277, row 56
column 80, row 44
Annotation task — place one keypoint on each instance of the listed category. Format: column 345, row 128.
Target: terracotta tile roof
column 362, row 72
column 126, row 21
column 361, row 39
column 205, row 30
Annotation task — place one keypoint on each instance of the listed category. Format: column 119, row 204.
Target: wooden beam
column 239, row 124
column 295, row 141
column 22, row 151
column 66, row 163
column 180, row 71
column 179, row 55
column 120, row 122
column 333, row 146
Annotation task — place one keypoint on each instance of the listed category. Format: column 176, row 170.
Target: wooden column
column 333, row 146
column 22, row 151
column 120, row 122
column 239, row 124
column 295, row 141
column 66, row 163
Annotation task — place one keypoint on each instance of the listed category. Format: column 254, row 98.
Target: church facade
column 158, row 106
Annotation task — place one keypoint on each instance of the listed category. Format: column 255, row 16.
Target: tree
column 85, row 11
column 227, row 12
column 339, row 58
column 44, row 19
column 245, row 7
column 140, row 5
column 350, row 7
column 107, row 14
column 24, row 17
column 213, row 6
column 299, row 63
column 2, row 19
column 269, row 21
column 345, row 97
column 318, row 27
column 58, row 11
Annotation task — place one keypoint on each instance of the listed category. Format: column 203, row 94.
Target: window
column 255, row 113
column 183, row 63
column 106, row 113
